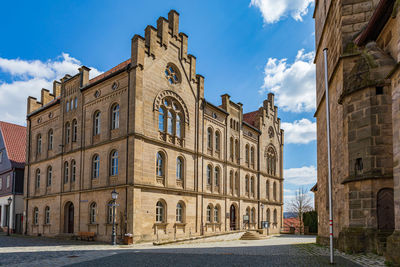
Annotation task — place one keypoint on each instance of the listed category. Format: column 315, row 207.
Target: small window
column 37, row 179
column 359, row 166
column 67, row 132
column 73, row 171
column 216, row 214
column 67, row 106
column 50, row 143
column 93, row 212
column 159, row 212
column 76, row 102
column 171, row 74
column 39, row 144
column 35, row 216
column 209, row 171
column 216, row 176
column 179, row 168
column 114, row 163
column 95, row 167
column 160, row 164
column 66, row 172
column 161, row 120
column 379, row 90
column 96, row 123
column 209, row 210
column 8, row 181
column 209, row 138
column 49, row 175
column 1, row 183
column 115, row 117
column 179, row 213
column 217, row 141
column 110, row 212
column 47, row 215
column 74, row 130
column 1, row 156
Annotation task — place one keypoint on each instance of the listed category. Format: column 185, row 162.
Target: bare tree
column 300, row 204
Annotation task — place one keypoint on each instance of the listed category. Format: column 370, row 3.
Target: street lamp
column 114, row 196
column 262, row 215
column 9, row 200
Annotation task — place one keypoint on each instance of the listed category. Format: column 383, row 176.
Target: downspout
column 127, row 153
column 202, row 169
column 13, row 194
column 258, row 181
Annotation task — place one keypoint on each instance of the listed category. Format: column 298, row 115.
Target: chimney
column 45, row 96
column 56, row 89
column 84, row 73
column 32, row 104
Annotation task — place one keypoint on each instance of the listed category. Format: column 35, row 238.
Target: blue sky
column 245, row 48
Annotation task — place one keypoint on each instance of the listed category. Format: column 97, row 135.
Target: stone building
column 362, row 37
column 181, row 165
column 12, row 162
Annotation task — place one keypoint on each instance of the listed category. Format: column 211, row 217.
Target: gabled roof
column 251, row 117
column 14, row 137
column 114, row 69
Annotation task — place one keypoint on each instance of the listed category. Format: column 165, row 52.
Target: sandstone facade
column 362, row 37
column 181, row 165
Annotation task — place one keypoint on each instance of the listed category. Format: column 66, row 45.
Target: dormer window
column 172, row 74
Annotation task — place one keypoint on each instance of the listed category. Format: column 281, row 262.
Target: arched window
column 37, row 184
column 275, row 216
column 49, row 175
column 274, row 191
column 217, row 141
column 39, row 144
column 170, row 123
column 66, row 172
column 160, row 212
column 110, row 212
column 271, row 161
column 179, row 213
column 35, row 216
column 76, row 102
column 179, row 126
column 252, row 156
column 50, row 139
column 209, row 174
column 267, row 190
column 248, row 212
column 160, row 165
column 95, row 167
column 216, row 214
column 179, row 168
column 67, row 107
column 47, row 215
column 268, row 216
column 247, row 152
column 209, row 213
column 74, row 131
column 237, row 183
column 237, row 150
column 67, row 132
column 114, row 163
column 161, row 119
column 209, row 138
column 231, row 148
column 96, row 122
column 247, row 184
column 216, row 176
column 231, row 181
column 252, row 185
column 73, row 171
column 93, row 212
column 253, row 215
column 115, row 117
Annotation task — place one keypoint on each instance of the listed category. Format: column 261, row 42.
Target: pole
column 113, row 237
column 8, row 219
column 328, row 139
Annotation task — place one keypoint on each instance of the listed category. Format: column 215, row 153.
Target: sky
column 246, row 48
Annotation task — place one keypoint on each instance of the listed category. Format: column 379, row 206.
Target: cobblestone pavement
column 276, row 251
column 369, row 259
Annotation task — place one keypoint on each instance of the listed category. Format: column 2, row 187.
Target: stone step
column 252, row 235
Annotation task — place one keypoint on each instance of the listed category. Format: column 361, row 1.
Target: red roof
column 116, row 68
column 14, row 137
column 251, row 117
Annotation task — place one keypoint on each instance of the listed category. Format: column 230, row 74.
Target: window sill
column 92, row 224
column 180, row 224
column 160, row 224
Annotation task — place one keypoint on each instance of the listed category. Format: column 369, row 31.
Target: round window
column 171, row 74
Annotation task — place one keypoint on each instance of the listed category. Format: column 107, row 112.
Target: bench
column 85, row 236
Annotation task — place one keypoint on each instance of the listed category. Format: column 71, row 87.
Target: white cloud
column 28, row 77
column 306, row 175
column 293, row 84
column 299, row 132
column 273, row 10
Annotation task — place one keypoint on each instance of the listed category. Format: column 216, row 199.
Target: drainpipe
column 28, row 176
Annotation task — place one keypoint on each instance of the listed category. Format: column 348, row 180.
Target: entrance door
column 18, row 223
column 233, row 217
column 69, row 217
column 385, row 205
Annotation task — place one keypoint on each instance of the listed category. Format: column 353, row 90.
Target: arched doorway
column 233, row 217
column 69, row 218
column 385, row 209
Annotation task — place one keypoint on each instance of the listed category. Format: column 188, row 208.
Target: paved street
column 277, row 251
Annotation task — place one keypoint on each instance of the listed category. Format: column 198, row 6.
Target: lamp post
column 262, row 215
column 114, row 196
column 9, row 200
